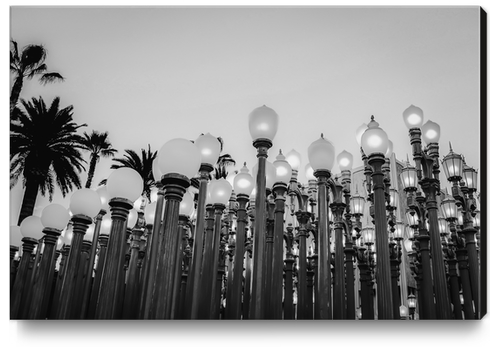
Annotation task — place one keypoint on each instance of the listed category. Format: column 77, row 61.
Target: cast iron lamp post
column 375, row 144
column 209, row 147
column 178, row 159
column 54, row 219
column 427, row 168
column 321, row 155
column 124, row 186
column 412, row 304
column 464, row 183
column 263, row 123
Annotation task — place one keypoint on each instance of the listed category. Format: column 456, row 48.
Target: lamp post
column 31, row 230
column 243, row 185
column 464, row 183
column 178, row 160
column 321, row 155
column 375, row 144
column 427, row 168
column 15, row 244
column 124, row 186
column 209, row 147
column 54, row 218
column 263, row 122
column 412, row 304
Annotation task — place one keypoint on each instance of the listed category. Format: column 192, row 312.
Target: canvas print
column 247, row 163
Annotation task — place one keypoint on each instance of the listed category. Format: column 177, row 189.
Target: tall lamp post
column 375, row 144
column 124, row 186
column 427, row 168
column 262, row 122
column 321, row 155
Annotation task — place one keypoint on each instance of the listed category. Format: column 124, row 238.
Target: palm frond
column 51, row 77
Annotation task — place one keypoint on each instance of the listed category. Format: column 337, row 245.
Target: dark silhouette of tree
column 98, row 145
column 26, row 65
column 45, row 150
column 224, row 160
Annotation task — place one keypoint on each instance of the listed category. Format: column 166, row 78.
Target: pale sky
column 148, row 75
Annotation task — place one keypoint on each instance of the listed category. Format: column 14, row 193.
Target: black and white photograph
column 259, row 163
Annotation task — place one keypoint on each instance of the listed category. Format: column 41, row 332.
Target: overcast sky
column 148, row 75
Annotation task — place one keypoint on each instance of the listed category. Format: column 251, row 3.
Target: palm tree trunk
column 29, row 200
column 15, row 92
column 93, row 162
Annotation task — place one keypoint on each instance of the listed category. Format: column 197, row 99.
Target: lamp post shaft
column 68, row 287
column 323, row 308
column 130, row 294
column 89, row 283
column 257, row 304
column 193, row 280
column 339, row 283
column 16, row 297
column 383, row 280
column 94, row 296
column 113, row 272
column 174, row 187
column 277, row 261
column 42, row 287
column 149, row 273
column 454, row 285
column 443, row 306
column 234, row 303
column 214, row 302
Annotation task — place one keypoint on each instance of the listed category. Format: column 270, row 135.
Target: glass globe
column 243, row 182
column 132, row 218
column 449, row 209
column 219, row 192
column 283, row 169
column 413, row 117
column 321, row 154
column 15, row 236
column 359, row 132
column 55, row 216
column 294, row 159
column 150, row 212
column 209, row 147
column 470, row 177
column 409, row 178
column 104, row 198
column 368, row 235
column 357, row 204
column 399, row 231
column 125, row 183
column 263, row 123
column 389, row 151
column 32, row 227
column 309, row 173
column 412, row 220
column 105, row 225
column 187, row 204
column 431, row 132
column 408, row 245
column 345, row 159
column 179, row 156
column 86, row 202
column 374, row 139
column 155, row 170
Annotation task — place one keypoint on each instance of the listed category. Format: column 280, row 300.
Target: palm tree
column 45, row 150
column 224, row 160
column 142, row 165
column 28, row 64
column 98, row 145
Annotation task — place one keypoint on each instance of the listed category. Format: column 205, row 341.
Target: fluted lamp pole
column 209, row 148
column 427, row 166
column 54, row 218
column 263, row 123
column 178, row 159
column 375, row 144
column 283, row 176
column 243, row 184
column 321, row 155
column 31, row 229
column 124, row 186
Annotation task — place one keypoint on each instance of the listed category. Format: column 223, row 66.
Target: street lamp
column 374, row 142
column 263, row 123
column 321, row 156
column 412, row 304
